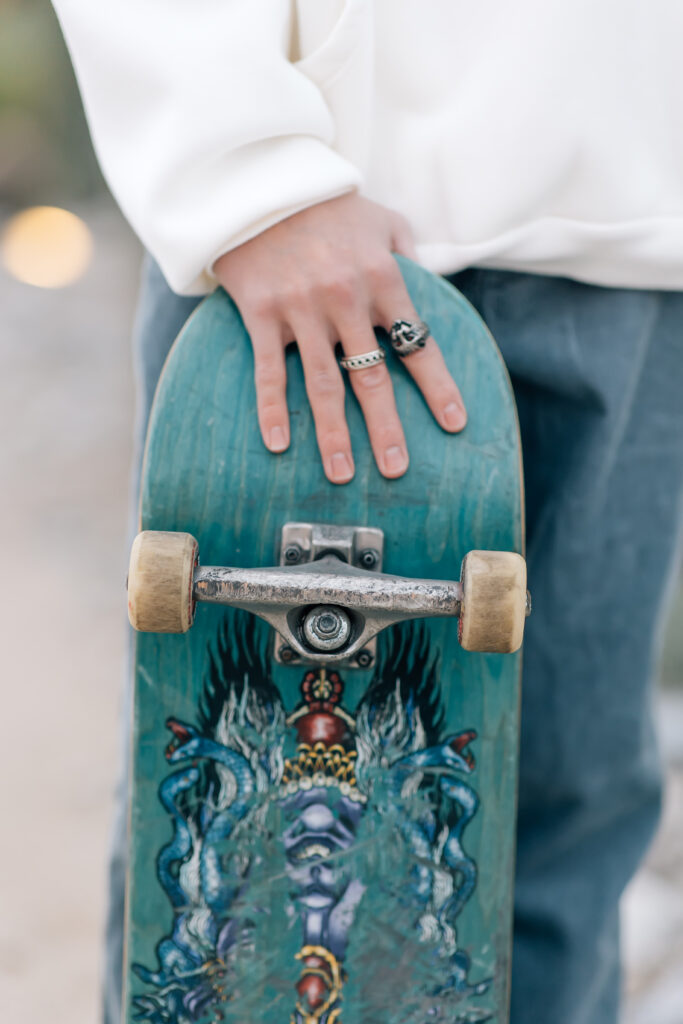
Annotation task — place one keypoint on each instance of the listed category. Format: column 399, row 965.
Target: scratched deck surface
column 335, row 846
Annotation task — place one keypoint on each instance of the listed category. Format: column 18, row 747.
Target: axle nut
column 327, row 628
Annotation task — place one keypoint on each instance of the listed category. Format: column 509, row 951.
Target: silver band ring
column 364, row 360
column 407, row 336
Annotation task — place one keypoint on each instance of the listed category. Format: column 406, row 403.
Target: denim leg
column 597, row 375
column 159, row 317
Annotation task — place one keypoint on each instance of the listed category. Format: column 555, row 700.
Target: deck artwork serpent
column 324, row 834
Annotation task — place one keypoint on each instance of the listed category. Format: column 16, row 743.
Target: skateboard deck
column 323, row 842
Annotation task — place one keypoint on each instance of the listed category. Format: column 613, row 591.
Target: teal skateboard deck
column 323, row 842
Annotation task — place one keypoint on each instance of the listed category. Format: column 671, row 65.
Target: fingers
column 373, row 389
column 428, row 369
column 270, row 377
column 426, row 365
column 347, row 314
column 323, row 274
column 324, row 386
column 326, row 394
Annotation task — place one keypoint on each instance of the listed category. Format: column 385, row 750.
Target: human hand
column 323, row 276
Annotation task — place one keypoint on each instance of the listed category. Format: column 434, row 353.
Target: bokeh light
column 46, row 246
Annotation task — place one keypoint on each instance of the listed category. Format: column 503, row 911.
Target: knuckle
column 371, row 379
column 271, row 412
column 389, row 437
column 322, row 381
column 331, row 440
column 262, row 305
column 401, row 223
column 341, row 288
column 296, row 297
column 444, row 390
column 382, row 273
column 267, row 376
column 421, row 356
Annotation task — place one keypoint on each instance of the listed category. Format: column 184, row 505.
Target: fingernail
column 395, row 459
column 341, row 469
column 454, row 416
column 277, row 440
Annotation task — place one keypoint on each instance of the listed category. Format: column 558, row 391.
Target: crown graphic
column 325, row 753
column 320, row 765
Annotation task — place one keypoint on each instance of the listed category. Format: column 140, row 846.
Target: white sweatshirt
column 537, row 135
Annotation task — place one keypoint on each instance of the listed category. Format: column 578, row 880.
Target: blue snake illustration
column 190, row 744
column 181, row 844
column 175, row 953
column 442, row 759
column 182, row 977
column 453, row 853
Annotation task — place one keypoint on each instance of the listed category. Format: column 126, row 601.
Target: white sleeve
column 206, row 131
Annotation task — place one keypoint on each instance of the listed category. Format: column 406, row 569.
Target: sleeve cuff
column 257, row 187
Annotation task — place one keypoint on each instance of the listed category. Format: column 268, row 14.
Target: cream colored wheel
column 494, row 601
column 160, row 596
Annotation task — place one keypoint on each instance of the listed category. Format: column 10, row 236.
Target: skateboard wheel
column 160, row 598
column 494, row 601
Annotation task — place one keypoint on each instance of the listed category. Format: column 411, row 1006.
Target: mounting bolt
column 287, row 654
column 364, row 658
column 292, row 554
column 369, row 558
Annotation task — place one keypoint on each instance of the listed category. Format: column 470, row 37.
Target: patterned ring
column 364, row 360
column 407, row 336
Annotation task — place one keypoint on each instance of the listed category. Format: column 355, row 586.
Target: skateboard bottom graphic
column 329, row 840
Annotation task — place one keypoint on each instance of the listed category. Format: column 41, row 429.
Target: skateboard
column 326, row 708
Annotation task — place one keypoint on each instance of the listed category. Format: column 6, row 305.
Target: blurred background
column 68, row 278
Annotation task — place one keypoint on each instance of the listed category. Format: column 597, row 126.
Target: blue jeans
column 598, row 377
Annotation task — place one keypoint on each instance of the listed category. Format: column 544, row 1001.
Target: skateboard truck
column 328, row 627
column 327, row 599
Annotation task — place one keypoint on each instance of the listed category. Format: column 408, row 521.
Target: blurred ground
column 65, row 422
column 65, row 415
